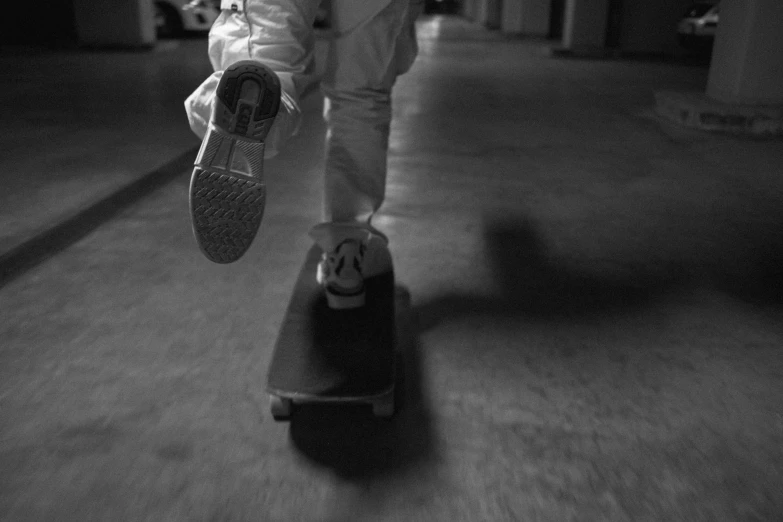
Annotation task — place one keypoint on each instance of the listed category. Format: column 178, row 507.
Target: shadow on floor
column 745, row 260
column 532, row 283
column 756, row 277
column 358, row 447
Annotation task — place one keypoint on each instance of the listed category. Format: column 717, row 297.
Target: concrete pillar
column 511, row 17
column 529, row 17
column 115, row 23
column 484, row 12
column 470, row 9
column 585, row 24
column 492, row 13
column 747, row 61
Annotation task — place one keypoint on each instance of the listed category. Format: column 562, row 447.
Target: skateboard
column 334, row 356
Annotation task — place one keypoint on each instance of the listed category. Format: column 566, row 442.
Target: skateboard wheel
column 384, row 408
column 281, row 408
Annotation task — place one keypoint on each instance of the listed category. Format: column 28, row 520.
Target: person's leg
column 362, row 67
column 276, row 33
column 262, row 53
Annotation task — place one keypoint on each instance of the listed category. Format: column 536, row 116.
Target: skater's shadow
column 354, row 444
column 529, row 282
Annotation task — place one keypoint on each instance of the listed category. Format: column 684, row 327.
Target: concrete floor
column 590, row 310
column 79, row 125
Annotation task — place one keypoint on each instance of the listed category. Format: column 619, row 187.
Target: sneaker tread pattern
column 227, row 211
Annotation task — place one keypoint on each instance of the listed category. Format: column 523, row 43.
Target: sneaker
column 351, row 255
column 227, row 190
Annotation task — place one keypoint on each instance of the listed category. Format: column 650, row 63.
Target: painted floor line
column 46, row 244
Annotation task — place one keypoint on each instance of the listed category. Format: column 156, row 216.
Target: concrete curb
column 65, row 233
column 696, row 110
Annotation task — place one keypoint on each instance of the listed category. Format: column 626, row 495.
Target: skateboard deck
column 326, row 355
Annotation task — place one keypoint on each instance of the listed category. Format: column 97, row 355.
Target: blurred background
column 663, row 27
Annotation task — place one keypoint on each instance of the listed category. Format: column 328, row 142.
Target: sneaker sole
column 227, row 190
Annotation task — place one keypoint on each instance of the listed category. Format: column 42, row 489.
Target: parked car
column 699, row 24
column 173, row 17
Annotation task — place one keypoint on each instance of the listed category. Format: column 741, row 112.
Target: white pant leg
column 362, row 67
column 277, row 33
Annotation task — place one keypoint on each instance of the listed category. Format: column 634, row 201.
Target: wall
column 650, row 27
column 46, row 22
column 110, row 23
column 492, row 13
column 585, row 24
column 529, row 17
column 535, row 20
